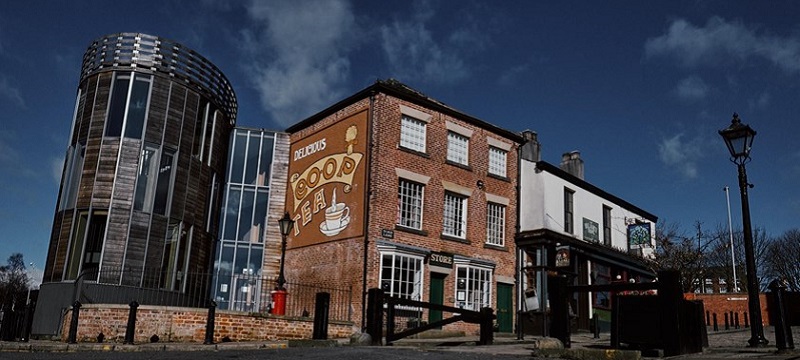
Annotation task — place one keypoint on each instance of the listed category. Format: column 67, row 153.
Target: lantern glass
column 286, row 224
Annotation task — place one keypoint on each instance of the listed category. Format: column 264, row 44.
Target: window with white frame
column 412, row 134
column 401, row 275
column 495, row 224
column 455, row 215
column 457, row 148
column 473, row 287
column 409, row 204
column 497, row 161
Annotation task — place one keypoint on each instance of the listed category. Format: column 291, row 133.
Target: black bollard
column 746, row 320
column 716, row 326
column 321, row 309
column 26, row 325
column 212, row 311
column 736, row 320
column 130, row 330
column 731, row 318
column 708, row 318
column 727, row 324
column 783, row 332
column 72, row 338
column 596, row 326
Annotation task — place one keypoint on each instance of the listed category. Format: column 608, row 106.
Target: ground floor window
column 401, row 275
column 473, row 287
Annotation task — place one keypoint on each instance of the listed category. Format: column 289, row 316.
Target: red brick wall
column 725, row 303
column 340, row 263
column 174, row 324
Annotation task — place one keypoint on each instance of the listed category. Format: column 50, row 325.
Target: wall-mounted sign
column 562, row 256
column 638, row 235
column 388, row 234
column 441, row 259
column 591, row 230
column 327, row 176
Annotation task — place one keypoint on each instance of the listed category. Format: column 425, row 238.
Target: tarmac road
column 305, row 353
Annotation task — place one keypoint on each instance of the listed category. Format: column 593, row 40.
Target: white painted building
column 570, row 226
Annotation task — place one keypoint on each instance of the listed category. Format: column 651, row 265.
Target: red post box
column 279, row 302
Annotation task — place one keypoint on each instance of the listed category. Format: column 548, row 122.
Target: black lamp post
column 286, row 224
column 739, row 138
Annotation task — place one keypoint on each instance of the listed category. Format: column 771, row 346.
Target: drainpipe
column 367, row 196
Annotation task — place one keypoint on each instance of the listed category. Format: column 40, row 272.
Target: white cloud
column 298, row 54
column 511, row 75
column 10, row 92
column 415, row 53
column 692, row 88
column 762, row 102
column 8, row 155
column 720, row 41
column 680, row 154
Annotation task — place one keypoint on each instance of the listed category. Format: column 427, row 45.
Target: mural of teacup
column 337, row 217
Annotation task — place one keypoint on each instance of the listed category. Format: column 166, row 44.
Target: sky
column 640, row 88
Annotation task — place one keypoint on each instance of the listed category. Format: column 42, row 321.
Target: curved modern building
column 140, row 194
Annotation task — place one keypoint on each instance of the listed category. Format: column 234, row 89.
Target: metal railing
column 234, row 292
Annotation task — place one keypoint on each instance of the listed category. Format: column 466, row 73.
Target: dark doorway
column 436, row 296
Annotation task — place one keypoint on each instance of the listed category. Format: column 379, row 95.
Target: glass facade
column 240, row 249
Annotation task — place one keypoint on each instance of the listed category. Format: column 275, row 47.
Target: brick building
column 390, row 188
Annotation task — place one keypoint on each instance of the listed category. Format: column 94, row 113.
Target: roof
column 401, row 91
column 555, row 170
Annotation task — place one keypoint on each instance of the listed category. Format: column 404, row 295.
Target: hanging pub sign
column 591, row 230
column 562, row 256
column 638, row 235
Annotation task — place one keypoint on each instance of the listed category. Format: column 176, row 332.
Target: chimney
column 572, row 163
column 531, row 149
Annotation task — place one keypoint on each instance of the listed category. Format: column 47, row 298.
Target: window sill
column 498, row 177
column 453, row 238
column 415, row 152
column 495, row 247
column 458, row 165
column 410, row 230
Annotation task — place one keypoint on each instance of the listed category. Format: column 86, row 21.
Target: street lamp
column 286, row 224
column 739, row 139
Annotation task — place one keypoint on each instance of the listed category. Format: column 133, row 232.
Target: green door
column 436, row 297
column 505, row 311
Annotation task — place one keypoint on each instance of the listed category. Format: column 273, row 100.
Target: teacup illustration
column 337, row 216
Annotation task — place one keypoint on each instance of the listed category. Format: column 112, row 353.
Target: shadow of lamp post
column 739, row 139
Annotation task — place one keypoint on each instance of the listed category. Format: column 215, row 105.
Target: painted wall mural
column 327, row 180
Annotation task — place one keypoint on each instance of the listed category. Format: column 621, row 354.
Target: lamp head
column 286, row 224
column 739, row 139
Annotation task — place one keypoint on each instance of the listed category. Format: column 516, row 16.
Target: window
column 412, row 134
column 497, row 161
column 128, row 105
column 495, row 224
column 401, row 275
column 455, row 215
column 607, row 225
column 409, row 206
column 569, row 221
column 176, row 251
column 87, row 244
column 154, row 180
column 457, row 148
column 72, row 176
column 473, row 287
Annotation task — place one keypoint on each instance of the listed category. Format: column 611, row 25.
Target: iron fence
column 234, row 292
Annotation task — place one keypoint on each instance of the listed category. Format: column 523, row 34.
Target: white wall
column 542, row 206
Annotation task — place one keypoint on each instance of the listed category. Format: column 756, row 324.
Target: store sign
column 327, row 176
column 441, row 259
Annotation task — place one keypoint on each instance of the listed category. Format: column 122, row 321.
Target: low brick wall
column 178, row 324
column 727, row 303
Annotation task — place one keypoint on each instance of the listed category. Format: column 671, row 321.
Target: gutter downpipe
column 367, row 197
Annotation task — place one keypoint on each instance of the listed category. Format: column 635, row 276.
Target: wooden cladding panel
column 175, row 118
column 116, row 237
column 155, row 246
column 156, row 114
column 94, row 139
column 106, row 172
column 136, row 248
column 59, row 243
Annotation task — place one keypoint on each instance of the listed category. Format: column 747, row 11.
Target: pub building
column 390, row 188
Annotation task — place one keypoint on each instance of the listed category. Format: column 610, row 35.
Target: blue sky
column 640, row 88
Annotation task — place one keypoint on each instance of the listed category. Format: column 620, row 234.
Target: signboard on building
column 638, row 235
column 591, row 230
column 327, row 180
column 441, row 259
column 562, row 256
